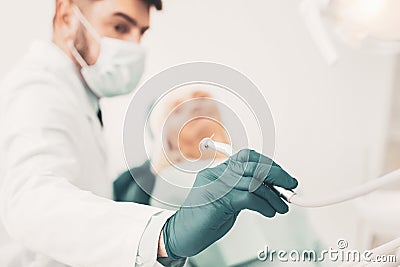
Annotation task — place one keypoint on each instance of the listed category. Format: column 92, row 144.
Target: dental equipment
column 226, row 149
column 292, row 197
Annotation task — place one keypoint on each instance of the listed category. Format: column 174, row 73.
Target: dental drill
column 226, row 149
column 292, row 197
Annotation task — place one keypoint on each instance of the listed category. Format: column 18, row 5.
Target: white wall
column 20, row 23
column 330, row 121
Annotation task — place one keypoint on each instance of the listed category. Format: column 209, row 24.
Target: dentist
column 55, row 193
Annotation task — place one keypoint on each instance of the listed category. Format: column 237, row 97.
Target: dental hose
column 292, row 197
column 348, row 194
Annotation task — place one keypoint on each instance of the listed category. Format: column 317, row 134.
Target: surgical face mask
column 119, row 67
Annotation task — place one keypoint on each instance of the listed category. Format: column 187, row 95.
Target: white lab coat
column 55, row 205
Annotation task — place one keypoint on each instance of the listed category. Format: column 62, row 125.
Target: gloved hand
column 218, row 196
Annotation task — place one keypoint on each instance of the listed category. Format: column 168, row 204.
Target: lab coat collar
column 49, row 56
column 53, row 57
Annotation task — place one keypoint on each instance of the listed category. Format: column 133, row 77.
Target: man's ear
column 65, row 22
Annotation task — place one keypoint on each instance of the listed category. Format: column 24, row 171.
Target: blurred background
column 336, row 126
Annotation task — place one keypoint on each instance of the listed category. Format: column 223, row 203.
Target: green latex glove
column 218, row 196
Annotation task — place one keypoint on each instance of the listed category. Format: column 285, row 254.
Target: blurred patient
column 177, row 124
column 183, row 118
column 180, row 121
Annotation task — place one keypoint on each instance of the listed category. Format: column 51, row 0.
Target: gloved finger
column 257, row 171
column 241, row 182
column 273, row 199
column 275, row 176
column 239, row 170
column 263, row 173
column 237, row 175
column 232, row 172
column 265, row 192
column 213, row 173
column 245, row 200
column 247, row 158
column 242, row 176
column 237, row 181
column 262, row 191
column 278, row 176
column 248, row 155
column 247, row 169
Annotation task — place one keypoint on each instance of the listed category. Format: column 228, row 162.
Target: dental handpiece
column 226, row 149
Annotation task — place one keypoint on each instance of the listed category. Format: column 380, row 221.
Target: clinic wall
column 330, row 122
column 20, row 23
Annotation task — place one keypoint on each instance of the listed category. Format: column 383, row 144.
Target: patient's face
column 191, row 120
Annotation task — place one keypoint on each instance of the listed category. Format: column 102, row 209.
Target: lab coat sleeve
column 41, row 207
column 147, row 252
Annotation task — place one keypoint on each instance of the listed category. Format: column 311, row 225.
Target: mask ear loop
column 76, row 54
column 90, row 29
column 86, row 23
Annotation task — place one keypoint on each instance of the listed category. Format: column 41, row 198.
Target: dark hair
column 156, row 3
